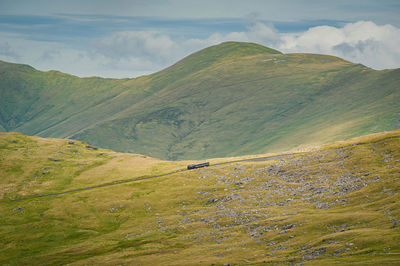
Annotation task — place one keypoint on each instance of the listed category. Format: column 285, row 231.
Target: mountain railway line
column 130, row 180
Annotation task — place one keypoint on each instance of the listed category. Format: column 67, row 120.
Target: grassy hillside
column 338, row 204
column 56, row 104
column 227, row 100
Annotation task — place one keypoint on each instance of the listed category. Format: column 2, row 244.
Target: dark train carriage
column 198, row 165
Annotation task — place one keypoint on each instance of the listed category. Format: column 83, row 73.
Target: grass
column 33, row 165
column 230, row 99
column 338, row 204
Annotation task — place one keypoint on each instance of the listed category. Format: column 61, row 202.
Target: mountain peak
column 235, row 49
column 225, row 50
column 242, row 48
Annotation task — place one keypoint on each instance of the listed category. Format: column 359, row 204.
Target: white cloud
column 58, row 56
column 7, row 51
column 134, row 53
column 137, row 44
column 361, row 42
column 154, row 50
column 262, row 33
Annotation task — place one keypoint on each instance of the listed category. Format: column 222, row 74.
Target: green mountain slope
column 336, row 205
column 226, row 100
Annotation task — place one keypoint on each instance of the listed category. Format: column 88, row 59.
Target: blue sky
column 124, row 38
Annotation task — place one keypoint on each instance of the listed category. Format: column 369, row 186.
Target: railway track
column 135, row 179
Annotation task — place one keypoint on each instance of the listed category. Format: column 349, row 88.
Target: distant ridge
column 225, row 100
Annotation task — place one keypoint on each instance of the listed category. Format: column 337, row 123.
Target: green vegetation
column 338, row 204
column 227, row 100
column 331, row 204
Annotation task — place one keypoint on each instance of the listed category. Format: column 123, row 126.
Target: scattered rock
column 19, row 209
column 337, row 228
column 211, row 201
column 116, row 208
column 330, row 241
column 314, row 254
column 287, row 227
column 234, row 196
column 323, row 205
column 147, row 206
column 395, row 223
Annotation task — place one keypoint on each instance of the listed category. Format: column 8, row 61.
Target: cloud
column 7, row 51
column 361, row 42
column 146, row 45
column 155, row 50
column 133, row 53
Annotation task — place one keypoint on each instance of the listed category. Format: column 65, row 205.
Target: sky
column 130, row 38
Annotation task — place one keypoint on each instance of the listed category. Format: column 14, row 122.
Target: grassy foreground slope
column 226, row 100
column 336, row 204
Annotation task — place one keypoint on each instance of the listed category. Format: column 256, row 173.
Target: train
column 198, row 165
